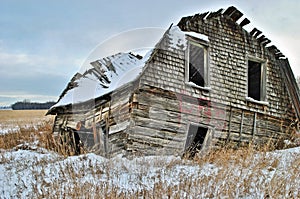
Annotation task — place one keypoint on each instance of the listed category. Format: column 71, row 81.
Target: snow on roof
column 109, row 73
column 178, row 38
column 106, row 75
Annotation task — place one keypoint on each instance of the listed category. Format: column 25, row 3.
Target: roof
column 105, row 75
column 112, row 72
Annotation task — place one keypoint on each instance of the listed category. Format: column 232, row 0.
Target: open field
column 23, row 116
column 30, row 168
column 13, row 120
column 24, row 126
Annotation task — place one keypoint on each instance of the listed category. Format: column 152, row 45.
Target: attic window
column 197, row 70
column 256, row 80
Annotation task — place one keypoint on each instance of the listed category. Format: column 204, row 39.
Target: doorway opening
column 196, row 139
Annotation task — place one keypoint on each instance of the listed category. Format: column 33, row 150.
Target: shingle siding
column 229, row 49
column 152, row 114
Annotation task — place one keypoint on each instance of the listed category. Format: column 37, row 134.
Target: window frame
column 263, row 81
column 204, row 45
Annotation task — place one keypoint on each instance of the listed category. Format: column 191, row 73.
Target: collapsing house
column 207, row 82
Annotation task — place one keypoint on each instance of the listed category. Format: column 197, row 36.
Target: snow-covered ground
column 13, row 128
column 38, row 173
column 4, row 129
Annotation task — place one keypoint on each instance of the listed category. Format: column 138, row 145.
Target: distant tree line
column 26, row 105
column 5, row 107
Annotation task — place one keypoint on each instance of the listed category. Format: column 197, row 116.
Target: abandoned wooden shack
column 207, row 82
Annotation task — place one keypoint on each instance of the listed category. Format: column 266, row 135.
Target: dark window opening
column 195, row 140
column 196, row 64
column 254, row 80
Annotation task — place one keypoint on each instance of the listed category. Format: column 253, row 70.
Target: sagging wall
column 160, row 120
column 154, row 116
column 233, row 118
column 103, row 122
column 155, row 123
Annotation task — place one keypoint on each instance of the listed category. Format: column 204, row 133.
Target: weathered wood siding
column 233, row 117
column 104, row 121
column 155, row 126
column 152, row 114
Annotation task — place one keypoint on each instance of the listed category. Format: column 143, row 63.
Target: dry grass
column 10, row 120
column 22, row 117
column 24, row 136
column 25, row 126
column 242, row 173
column 234, row 174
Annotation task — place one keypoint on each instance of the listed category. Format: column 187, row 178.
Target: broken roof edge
column 136, row 79
column 72, row 84
column 236, row 16
column 106, row 97
column 205, row 16
column 148, row 57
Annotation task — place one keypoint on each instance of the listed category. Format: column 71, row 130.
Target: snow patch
column 197, row 35
column 28, row 174
column 250, row 99
column 178, row 38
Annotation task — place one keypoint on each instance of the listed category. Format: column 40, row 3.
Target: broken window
column 195, row 139
column 256, row 81
column 197, row 64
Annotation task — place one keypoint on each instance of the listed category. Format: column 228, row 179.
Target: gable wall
column 229, row 47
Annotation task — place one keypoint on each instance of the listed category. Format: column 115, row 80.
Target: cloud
column 41, row 49
column 26, row 64
column 50, row 84
column 9, row 59
column 127, row 41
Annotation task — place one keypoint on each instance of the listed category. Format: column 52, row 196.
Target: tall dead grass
column 24, row 136
column 241, row 173
column 234, row 173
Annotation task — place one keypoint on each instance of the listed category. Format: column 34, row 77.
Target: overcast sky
column 44, row 43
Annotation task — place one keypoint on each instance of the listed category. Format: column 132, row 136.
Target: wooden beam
column 266, row 42
column 254, row 124
column 273, row 49
column 236, row 15
column 229, row 10
column 261, row 38
column 258, row 32
column 106, row 138
column 203, row 15
column 94, row 131
column 214, row 14
column 229, row 125
column 253, row 31
column 244, row 22
column 241, row 127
